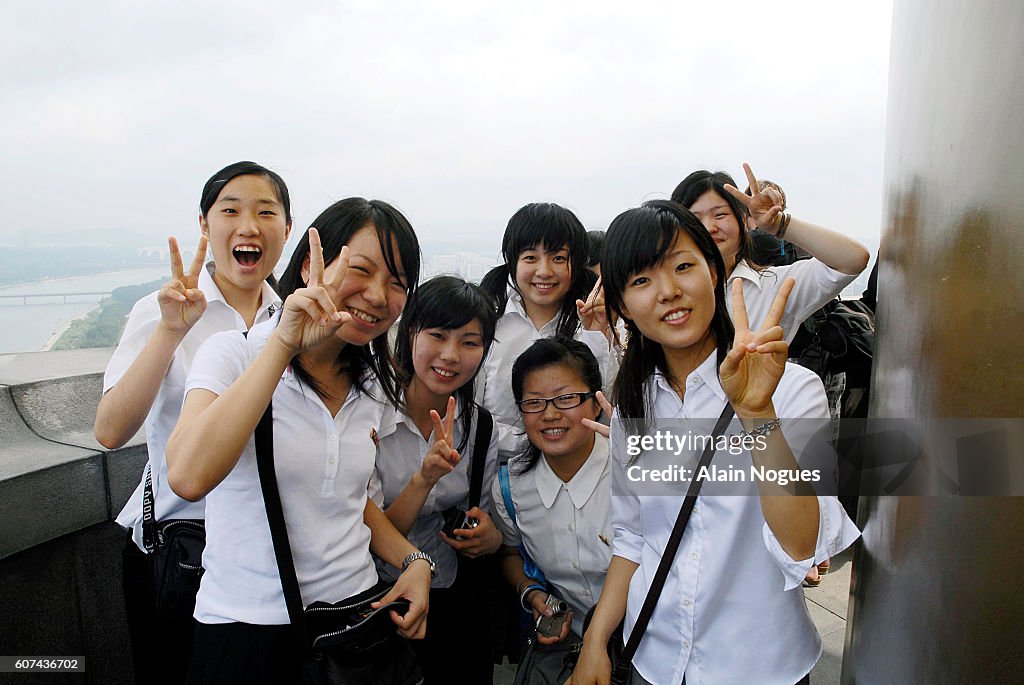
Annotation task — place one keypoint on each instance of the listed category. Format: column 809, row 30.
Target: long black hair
column 445, row 302
column 699, row 182
column 216, row 183
column 550, row 352
column 336, row 225
column 551, row 226
column 636, row 240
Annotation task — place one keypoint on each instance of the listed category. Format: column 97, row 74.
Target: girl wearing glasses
column 545, row 272
column 558, row 485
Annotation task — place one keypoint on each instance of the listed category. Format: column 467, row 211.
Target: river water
column 29, row 327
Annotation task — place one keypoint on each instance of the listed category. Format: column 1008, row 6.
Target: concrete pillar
column 937, row 589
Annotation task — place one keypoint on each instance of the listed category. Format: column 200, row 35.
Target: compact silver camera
column 551, row 626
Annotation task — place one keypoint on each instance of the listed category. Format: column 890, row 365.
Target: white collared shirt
column 732, row 609
column 400, row 455
column 565, row 527
column 816, row 284
column 512, row 336
column 163, row 415
column 323, row 466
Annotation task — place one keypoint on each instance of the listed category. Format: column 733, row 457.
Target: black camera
column 456, row 519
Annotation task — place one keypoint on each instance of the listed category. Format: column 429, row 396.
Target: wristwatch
column 420, row 555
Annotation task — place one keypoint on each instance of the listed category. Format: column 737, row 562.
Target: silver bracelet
column 763, row 430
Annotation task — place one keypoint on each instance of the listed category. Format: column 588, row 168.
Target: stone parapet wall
column 55, row 478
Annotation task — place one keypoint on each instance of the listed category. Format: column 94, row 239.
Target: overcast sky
column 113, row 114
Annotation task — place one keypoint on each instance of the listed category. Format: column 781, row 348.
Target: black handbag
column 842, row 339
column 341, row 643
column 176, row 548
column 621, row 655
column 548, row 664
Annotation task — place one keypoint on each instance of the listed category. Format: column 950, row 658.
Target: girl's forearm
column 791, row 511
column 838, row 251
column 385, row 540
column 123, row 409
column 611, row 607
column 407, row 506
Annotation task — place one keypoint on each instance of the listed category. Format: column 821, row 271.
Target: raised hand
column 764, row 204
column 755, row 364
column 597, row 426
column 181, row 301
column 592, row 313
column 309, row 315
column 441, row 458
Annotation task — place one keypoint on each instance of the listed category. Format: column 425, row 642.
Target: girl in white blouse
column 324, row 362
column 545, row 249
column 245, row 219
column 732, row 609
column 424, row 467
column 726, row 213
column 558, row 484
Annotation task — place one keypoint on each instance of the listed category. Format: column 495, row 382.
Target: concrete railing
column 60, row 554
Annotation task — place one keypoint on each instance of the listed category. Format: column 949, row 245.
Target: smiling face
column 445, row 359
column 673, row 301
column 543, row 278
column 558, row 432
column 246, row 228
column 370, row 293
column 720, row 221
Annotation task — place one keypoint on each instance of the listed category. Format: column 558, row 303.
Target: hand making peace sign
column 755, row 364
column 592, row 313
column 441, row 459
column 181, row 301
column 764, row 204
column 310, row 316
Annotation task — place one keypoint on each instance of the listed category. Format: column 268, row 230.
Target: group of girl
column 388, row 462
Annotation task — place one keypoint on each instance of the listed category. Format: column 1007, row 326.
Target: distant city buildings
column 469, row 265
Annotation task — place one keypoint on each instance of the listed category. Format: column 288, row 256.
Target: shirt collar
column 706, row 374
column 582, row 485
column 394, row 416
column 744, row 271
column 515, row 300
column 269, row 300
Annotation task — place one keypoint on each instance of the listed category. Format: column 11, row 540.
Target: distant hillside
column 25, row 264
column 102, row 326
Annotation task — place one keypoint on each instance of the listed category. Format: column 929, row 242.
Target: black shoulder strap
column 484, row 427
column 651, row 601
column 278, row 532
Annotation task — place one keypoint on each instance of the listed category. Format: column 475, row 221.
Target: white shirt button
column 569, row 526
column 693, row 555
column 331, row 460
column 686, row 602
column 686, row 644
column 334, row 437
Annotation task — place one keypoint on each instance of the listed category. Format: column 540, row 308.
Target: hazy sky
column 113, row 114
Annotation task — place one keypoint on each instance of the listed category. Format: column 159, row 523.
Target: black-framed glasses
column 536, row 405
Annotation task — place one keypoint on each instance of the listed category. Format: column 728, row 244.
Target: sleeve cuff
column 836, row 532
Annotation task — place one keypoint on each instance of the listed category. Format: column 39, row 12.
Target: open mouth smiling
column 247, row 255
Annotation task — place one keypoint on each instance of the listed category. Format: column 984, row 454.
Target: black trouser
column 459, row 641
column 161, row 644
column 244, row 653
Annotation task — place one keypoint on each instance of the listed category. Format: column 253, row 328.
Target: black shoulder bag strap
column 278, row 532
column 482, row 440
column 651, row 601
